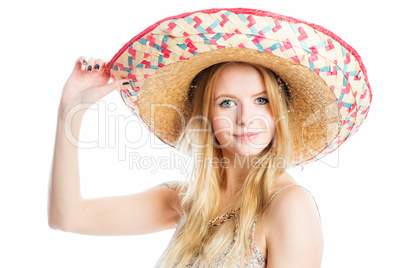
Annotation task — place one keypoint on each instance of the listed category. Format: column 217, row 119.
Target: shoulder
column 292, row 198
column 292, row 227
column 291, row 203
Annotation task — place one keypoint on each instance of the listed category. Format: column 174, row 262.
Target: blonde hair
column 195, row 241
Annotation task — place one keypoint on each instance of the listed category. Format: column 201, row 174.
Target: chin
column 244, row 153
column 245, row 150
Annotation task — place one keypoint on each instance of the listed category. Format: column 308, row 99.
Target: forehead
column 237, row 78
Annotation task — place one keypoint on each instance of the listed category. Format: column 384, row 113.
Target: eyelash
column 266, row 101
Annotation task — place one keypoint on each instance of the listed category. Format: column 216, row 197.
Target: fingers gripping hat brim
column 328, row 88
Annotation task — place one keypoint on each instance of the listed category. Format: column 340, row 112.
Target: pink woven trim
column 252, row 12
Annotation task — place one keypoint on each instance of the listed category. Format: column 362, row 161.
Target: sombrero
column 327, row 83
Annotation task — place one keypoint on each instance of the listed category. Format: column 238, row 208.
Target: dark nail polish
column 126, row 83
column 89, row 68
column 97, row 66
column 84, row 61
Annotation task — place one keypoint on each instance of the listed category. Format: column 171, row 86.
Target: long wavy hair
column 196, row 242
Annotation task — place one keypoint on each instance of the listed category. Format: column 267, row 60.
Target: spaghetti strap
column 301, row 187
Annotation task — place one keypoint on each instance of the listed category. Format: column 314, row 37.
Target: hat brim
column 325, row 76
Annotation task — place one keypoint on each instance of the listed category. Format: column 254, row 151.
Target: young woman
column 246, row 94
column 288, row 232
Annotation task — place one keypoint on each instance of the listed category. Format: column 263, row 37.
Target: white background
column 357, row 188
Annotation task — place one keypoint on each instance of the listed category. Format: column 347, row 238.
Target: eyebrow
column 228, row 95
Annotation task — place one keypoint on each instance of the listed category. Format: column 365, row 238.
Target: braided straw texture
column 329, row 92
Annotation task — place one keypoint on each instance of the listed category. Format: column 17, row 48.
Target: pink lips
column 250, row 136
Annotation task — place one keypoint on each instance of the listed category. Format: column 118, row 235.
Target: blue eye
column 266, row 100
column 221, row 104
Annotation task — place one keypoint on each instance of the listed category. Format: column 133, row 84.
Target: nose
column 244, row 114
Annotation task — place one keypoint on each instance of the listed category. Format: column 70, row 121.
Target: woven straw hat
column 326, row 80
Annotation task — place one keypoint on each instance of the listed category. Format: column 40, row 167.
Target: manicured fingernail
column 126, row 83
column 89, row 68
column 84, row 61
column 97, row 66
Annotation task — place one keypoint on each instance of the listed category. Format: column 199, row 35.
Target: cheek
column 222, row 125
column 270, row 124
column 263, row 121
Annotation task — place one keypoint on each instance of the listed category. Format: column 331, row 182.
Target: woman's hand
column 88, row 83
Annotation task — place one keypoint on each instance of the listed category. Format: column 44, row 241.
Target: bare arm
column 64, row 188
column 152, row 210
column 294, row 237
